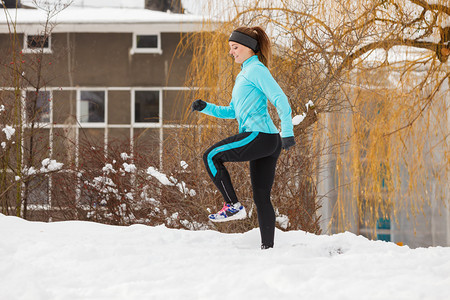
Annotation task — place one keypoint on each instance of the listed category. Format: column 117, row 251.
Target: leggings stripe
column 227, row 147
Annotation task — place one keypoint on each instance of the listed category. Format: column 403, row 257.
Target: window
column 92, row 107
column 38, row 106
column 146, row 106
column 146, row 43
column 39, row 190
column 36, row 43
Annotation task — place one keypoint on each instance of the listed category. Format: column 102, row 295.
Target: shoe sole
column 242, row 214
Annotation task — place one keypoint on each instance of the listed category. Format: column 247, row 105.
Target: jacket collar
column 249, row 61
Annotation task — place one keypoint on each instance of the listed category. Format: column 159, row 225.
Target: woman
column 258, row 140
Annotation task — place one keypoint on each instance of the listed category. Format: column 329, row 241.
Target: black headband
column 245, row 40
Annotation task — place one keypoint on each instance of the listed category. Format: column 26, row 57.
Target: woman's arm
column 264, row 81
column 223, row 112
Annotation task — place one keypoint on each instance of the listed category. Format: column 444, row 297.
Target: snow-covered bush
column 122, row 188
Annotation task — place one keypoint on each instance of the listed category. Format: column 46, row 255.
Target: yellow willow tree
column 377, row 74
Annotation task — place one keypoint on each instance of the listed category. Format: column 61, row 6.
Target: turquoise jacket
column 253, row 86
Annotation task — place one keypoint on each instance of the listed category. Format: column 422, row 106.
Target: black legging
column 262, row 150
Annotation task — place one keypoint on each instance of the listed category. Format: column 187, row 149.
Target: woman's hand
column 287, row 142
column 198, row 105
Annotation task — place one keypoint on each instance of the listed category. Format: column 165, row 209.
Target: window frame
column 135, row 50
column 26, row 49
column 133, row 101
column 50, row 107
column 105, row 108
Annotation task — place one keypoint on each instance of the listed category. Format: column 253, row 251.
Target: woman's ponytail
column 265, row 48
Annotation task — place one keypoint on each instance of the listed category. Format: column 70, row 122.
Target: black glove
column 287, row 142
column 198, row 105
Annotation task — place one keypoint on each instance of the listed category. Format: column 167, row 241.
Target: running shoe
column 229, row 212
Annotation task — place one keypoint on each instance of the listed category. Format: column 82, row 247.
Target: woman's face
column 240, row 52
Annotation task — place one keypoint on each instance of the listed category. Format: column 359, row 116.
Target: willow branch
column 438, row 7
column 387, row 44
column 429, row 99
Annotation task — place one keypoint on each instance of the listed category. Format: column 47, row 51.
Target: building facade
column 100, row 75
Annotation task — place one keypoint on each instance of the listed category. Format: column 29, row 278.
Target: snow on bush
column 158, row 175
column 123, row 194
column 129, row 168
column 103, row 184
column 184, row 165
column 283, row 221
column 108, row 168
column 9, row 131
column 49, row 165
column 299, row 118
column 125, row 156
column 29, row 171
column 170, row 181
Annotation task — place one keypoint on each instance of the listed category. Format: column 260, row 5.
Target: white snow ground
column 83, row 260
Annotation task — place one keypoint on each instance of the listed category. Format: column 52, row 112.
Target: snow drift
column 84, row 260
